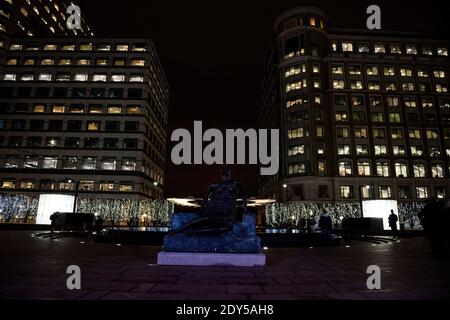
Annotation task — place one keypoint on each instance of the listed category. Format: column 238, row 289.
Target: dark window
column 3, row 106
column 323, row 192
column 112, row 126
column 291, row 45
column 116, row 93
column 91, row 143
column 72, row 142
column 6, row 92
column 18, row 125
column 78, row 92
column 60, row 93
column 131, row 126
column 37, row 125
column 97, row 93
column 134, row 93
column 130, row 143
column 2, row 124
column 14, row 141
column 340, row 100
column 43, row 92
column 111, row 143
column 21, row 107
column 24, row 92
column 55, row 125
column 34, row 142
column 412, row 117
column 74, row 125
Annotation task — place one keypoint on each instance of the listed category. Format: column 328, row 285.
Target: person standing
column 326, row 225
column 393, row 219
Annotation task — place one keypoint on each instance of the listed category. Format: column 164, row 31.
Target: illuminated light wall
column 50, row 203
column 380, row 209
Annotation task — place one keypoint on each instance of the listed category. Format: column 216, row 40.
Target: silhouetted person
column 326, row 225
column 99, row 224
column 52, row 222
column 310, row 223
column 219, row 209
column 393, row 219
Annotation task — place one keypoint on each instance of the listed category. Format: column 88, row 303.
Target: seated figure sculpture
column 219, row 226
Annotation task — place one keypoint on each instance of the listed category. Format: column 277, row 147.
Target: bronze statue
column 219, row 208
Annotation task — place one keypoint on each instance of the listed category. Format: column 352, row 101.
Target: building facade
column 81, row 114
column 362, row 114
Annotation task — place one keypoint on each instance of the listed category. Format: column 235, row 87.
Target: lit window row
column 396, row 133
column 79, row 47
column 388, row 71
column 78, row 77
column 84, row 185
column 382, row 48
column 390, row 86
column 385, row 192
column 383, row 169
column 118, row 62
column 340, row 100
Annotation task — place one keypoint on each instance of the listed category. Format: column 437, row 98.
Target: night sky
column 213, row 54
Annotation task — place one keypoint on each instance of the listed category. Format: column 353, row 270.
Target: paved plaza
column 35, row 268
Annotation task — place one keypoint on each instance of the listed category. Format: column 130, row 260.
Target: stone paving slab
column 35, row 268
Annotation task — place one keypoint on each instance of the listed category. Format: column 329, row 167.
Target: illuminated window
column 133, row 110
column 410, row 102
column 83, row 62
column 312, row 22
column 9, row 77
column 380, row 150
column 422, row 192
column 109, row 164
column 396, row 133
column 385, row 192
column 8, row 184
column 296, row 150
column 126, row 187
column 27, row 185
column 408, row 86
column 136, row 78
column 87, row 185
column 343, row 150
column 437, row 171
column 70, row 163
column 363, row 48
column 47, row 62
column 45, row 77
column 89, row 163
column 27, row 77
column 103, row 47
column 342, row 132
column 101, row 62
column 93, row 126
column 432, row 134
column 427, row 51
column 96, row 109
column 442, row 51
column 416, row 151
column 58, row 109
column 99, row 78
column 122, row 47
column 129, row 165
column 401, row 170
column 422, row 73
column 414, row 134
column 67, row 47
column 50, row 163
column 345, row 168
column 394, row 117
column 356, row 84
column 395, row 49
column 106, row 186
column 29, row 62
column 139, row 48
column 419, row 170
column 361, row 133
column 337, row 69
column 297, row 168
column 373, row 85
column 372, row 71
column 65, row 62
column 347, row 46
column 441, row 88
column 338, row 84
column 39, row 109
column 364, row 168
column 379, row 48
column 115, row 109
column 11, row 62
column 405, row 72
column 86, row 47
column 382, row 169
column 50, row 47
column 411, row 50
column 15, row 47
column 362, row 150
column 354, row 70
column 346, row 192
column 389, row 71
column 118, row 78
column 81, row 77
column 138, row 63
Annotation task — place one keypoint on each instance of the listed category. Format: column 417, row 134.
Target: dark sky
column 213, row 52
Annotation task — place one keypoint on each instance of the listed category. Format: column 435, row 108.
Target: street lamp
column 284, row 192
column 77, row 187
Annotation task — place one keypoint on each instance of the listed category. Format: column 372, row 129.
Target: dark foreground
column 35, row 268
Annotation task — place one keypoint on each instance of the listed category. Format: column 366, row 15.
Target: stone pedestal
column 211, row 259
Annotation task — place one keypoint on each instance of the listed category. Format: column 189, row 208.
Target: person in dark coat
column 326, row 225
column 393, row 219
